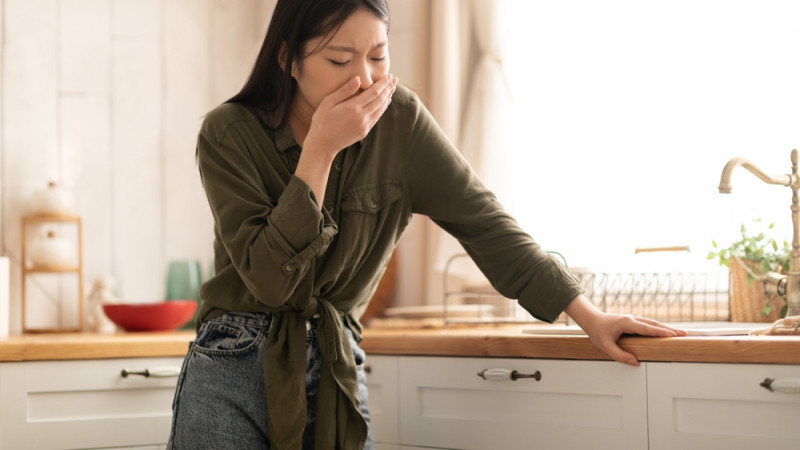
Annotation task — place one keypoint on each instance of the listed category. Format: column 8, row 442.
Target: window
column 626, row 111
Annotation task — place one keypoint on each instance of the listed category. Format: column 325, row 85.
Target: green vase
column 184, row 278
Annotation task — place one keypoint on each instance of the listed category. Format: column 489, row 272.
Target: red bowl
column 162, row 316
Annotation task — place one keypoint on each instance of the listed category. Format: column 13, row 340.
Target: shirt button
column 289, row 268
column 337, row 165
column 329, row 208
column 373, row 203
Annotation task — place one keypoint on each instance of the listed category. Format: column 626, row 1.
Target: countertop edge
column 512, row 344
column 476, row 342
column 76, row 346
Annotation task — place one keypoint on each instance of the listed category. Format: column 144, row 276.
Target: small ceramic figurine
column 100, row 293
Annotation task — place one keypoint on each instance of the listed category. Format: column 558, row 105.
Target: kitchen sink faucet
column 777, row 283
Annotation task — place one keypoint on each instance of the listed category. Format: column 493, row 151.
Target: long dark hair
column 269, row 89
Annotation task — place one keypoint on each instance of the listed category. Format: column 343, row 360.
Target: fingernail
column 632, row 362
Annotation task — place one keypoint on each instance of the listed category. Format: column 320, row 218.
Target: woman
column 312, row 172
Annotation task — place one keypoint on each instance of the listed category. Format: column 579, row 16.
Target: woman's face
column 359, row 48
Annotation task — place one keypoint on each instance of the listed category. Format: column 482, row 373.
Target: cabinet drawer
column 720, row 406
column 444, row 403
column 85, row 404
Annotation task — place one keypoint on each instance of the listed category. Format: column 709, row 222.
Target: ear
column 283, row 60
column 282, row 56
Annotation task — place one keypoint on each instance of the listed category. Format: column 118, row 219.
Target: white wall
column 105, row 97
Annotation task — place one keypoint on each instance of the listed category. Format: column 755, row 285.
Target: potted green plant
column 749, row 258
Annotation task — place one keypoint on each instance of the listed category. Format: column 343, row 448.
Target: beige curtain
column 447, row 61
column 467, row 63
column 488, row 100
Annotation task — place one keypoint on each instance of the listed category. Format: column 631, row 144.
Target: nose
column 366, row 73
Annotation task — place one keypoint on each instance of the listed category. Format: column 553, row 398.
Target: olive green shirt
column 277, row 251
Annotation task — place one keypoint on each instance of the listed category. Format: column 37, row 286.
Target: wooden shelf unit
column 76, row 271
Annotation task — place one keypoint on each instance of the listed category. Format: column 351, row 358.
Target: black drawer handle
column 785, row 386
column 507, row 374
column 156, row 372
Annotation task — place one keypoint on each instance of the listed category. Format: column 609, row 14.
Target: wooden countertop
column 511, row 342
column 67, row 346
column 507, row 342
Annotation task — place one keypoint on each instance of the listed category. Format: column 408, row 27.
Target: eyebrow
column 344, row 48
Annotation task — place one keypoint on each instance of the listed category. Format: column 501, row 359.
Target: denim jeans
column 220, row 401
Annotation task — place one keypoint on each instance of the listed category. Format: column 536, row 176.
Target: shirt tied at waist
column 339, row 423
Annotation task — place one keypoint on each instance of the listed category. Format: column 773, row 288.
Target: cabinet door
column 709, row 406
column 85, row 404
column 575, row 404
column 382, row 400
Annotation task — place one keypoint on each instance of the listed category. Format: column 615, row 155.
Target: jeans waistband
column 256, row 319
column 250, row 319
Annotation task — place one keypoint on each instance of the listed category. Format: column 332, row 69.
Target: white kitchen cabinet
column 721, row 406
column 82, row 404
column 443, row 403
column 382, row 401
column 382, row 382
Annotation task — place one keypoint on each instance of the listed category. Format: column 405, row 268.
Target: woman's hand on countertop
column 605, row 329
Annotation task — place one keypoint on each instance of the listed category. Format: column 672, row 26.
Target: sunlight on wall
column 628, row 111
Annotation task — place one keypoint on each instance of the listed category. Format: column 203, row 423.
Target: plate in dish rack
column 433, row 311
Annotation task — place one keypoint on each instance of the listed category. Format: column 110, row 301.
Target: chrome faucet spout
column 777, row 282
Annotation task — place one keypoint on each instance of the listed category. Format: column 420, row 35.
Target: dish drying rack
column 663, row 296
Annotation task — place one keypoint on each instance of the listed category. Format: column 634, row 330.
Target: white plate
column 432, row 311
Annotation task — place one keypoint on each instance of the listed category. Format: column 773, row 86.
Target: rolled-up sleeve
column 267, row 220
column 444, row 187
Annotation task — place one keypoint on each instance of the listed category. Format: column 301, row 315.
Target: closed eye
column 338, row 63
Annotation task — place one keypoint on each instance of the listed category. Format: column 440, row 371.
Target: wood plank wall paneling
column 136, row 151
column 186, row 99
column 84, row 55
column 106, row 97
column 30, row 119
column 30, row 74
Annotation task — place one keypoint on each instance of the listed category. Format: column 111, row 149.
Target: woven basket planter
column 747, row 298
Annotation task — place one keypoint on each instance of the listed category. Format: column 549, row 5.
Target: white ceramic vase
column 51, row 251
column 52, row 200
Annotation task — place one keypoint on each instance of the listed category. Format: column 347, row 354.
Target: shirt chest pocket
column 372, row 198
column 367, row 211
